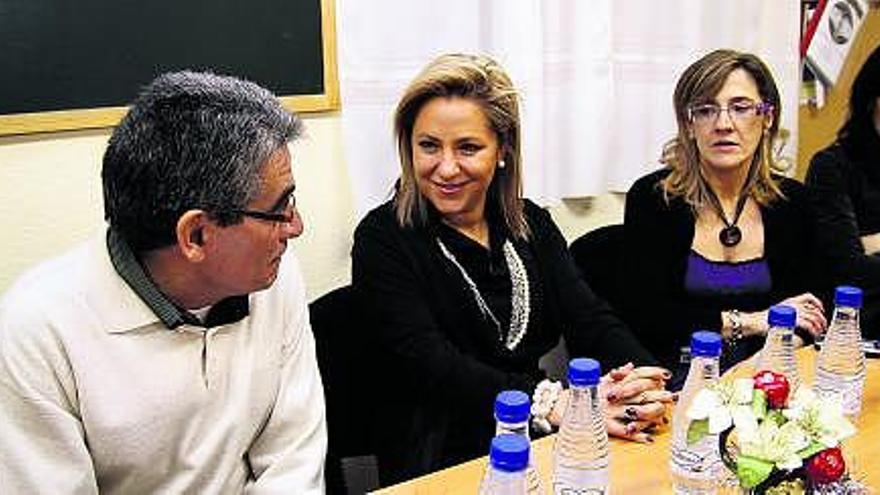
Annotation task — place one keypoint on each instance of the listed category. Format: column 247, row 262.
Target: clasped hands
column 635, row 401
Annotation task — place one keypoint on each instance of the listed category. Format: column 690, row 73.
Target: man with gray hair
column 173, row 353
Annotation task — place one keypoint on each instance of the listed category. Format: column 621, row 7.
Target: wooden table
column 637, row 468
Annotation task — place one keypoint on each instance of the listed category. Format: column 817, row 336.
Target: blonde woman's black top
column 440, row 361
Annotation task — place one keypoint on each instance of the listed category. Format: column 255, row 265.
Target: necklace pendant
column 730, row 236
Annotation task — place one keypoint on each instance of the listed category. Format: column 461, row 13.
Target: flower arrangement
column 774, row 441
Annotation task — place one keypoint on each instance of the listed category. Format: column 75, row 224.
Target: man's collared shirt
column 129, row 268
column 98, row 393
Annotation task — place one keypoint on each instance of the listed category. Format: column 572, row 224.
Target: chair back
column 598, row 255
column 340, row 340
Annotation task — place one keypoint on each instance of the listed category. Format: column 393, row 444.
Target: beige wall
column 50, row 198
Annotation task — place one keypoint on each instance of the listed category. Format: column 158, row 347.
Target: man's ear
column 191, row 234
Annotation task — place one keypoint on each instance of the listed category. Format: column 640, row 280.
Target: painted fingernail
column 667, row 375
column 612, row 396
column 649, row 439
column 631, row 428
column 665, row 420
column 631, row 412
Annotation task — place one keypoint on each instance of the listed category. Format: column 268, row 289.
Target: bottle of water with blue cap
column 840, row 367
column 695, row 468
column 508, row 459
column 778, row 352
column 512, row 409
column 580, row 455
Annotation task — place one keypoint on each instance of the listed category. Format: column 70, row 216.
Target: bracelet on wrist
column 736, row 327
column 543, row 400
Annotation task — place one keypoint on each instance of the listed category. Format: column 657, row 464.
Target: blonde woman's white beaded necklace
column 519, row 298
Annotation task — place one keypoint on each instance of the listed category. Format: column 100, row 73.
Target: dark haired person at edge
column 716, row 237
column 844, row 182
column 466, row 284
column 173, row 353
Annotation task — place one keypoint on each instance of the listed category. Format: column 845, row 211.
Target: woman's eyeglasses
column 739, row 112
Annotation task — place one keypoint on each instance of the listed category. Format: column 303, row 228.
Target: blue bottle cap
column 512, row 406
column 782, row 316
column 509, row 452
column 584, row 372
column 705, row 344
column 848, row 296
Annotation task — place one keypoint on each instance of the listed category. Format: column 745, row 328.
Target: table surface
column 637, row 468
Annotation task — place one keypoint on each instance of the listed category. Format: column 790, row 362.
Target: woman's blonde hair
column 699, row 84
column 481, row 80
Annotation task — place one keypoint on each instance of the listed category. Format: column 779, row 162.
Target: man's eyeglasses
column 285, row 214
column 739, row 112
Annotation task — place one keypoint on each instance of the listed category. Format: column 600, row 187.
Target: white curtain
column 596, row 77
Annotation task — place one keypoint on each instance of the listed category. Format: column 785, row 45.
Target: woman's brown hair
column 699, row 84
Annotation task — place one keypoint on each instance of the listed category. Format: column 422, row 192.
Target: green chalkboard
column 70, row 64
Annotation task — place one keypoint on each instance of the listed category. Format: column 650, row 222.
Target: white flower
column 820, row 417
column 777, row 444
column 725, row 404
column 742, row 390
column 746, row 422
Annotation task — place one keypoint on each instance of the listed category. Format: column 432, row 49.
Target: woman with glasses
column 845, row 181
column 716, row 237
column 465, row 284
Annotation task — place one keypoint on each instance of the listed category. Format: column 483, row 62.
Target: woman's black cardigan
column 440, row 364
column 845, row 189
column 658, row 238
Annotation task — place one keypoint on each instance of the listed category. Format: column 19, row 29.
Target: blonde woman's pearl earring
column 501, row 164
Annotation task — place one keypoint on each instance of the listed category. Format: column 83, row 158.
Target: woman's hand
column 810, row 313
column 635, row 401
column 810, row 316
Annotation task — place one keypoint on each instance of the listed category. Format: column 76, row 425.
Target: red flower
column 826, row 466
column 775, row 387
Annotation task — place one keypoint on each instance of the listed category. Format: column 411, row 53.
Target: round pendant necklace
column 730, row 235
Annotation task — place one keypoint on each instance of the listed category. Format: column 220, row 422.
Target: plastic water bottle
column 512, row 409
column 512, row 413
column 508, row 459
column 695, row 468
column 580, row 454
column 840, row 367
column 778, row 352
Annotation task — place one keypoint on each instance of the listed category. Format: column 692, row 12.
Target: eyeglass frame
column 271, row 216
column 760, row 108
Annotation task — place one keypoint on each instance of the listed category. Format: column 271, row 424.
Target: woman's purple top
column 709, row 278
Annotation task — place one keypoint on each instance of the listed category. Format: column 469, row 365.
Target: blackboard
column 73, row 64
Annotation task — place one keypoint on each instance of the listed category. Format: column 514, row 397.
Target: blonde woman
column 716, row 237
column 466, row 284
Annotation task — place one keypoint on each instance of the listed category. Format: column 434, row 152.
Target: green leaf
column 697, row 430
column 777, row 417
column 759, row 403
column 813, row 448
column 752, row 471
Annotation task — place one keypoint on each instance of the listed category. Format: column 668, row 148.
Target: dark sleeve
column 790, row 246
column 391, row 285
column 838, row 239
column 653, row 266
column 589, row 325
